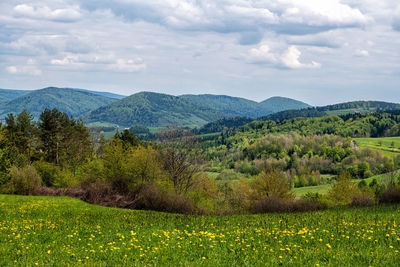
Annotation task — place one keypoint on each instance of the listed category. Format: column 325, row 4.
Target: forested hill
column 337, row 109
column 11, row 94
column 377, row 124
column 277, row 104
column 236, row 106
column 70, row 101
column 153, row 109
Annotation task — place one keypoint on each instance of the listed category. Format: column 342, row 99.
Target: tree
column 271, row 183
column 50, row 134
column 128, row 138
column 343, row 191
column 180, row 170
column 21, row 133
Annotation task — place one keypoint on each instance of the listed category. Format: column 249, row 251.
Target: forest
column 240, row 171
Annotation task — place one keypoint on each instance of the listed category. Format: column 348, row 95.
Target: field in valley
column 49, row 230
column 389, row 145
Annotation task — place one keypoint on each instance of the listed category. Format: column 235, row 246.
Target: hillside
column 336, row 109
column 74, row 103
column 277, row 104
column 11, row 94
column 153, row 109
column 236, row 106
column 105, row 94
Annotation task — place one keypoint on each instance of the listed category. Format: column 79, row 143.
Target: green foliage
column 126, row 169
column 153, row 109
column 23, row 181
column 48, row 172
column 223, row 125
column 63, row 139
column 348, row 108
column 272, row 183
column 235, row 106
column 343, row 191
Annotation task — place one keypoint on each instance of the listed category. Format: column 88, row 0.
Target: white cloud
column 100, row 62
column 69, row 14
column 361, row 53
column 299, row 16
column 290, row 58
column 29, row 69
column 128, row 65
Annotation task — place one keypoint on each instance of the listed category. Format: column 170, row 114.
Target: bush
column 312, row 196
column 151, row 197
column 272, row 183
column 390, row 195
column 47, row 171
column 275, row 204
column 23, row 181
column 343, row 191
column 228, row 175
column 362, row 200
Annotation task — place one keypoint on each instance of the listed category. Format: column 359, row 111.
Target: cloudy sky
column 317, row 51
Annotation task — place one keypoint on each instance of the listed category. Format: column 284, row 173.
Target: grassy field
column 64, row 231
column 385, row 146
column 323, row 189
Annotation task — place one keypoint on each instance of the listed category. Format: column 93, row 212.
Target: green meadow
column 64, row 231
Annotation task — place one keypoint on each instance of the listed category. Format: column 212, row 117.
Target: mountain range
column 145, row 108
column 159, row 110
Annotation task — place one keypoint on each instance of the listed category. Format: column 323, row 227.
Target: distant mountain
column 153, row 109
column 277, row 104
column 73, row 102
column 236, row 106
column 105, row 94
column 337, row 109
column 11, row 94
column 231, row 106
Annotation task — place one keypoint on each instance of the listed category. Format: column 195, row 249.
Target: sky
column 320, row 52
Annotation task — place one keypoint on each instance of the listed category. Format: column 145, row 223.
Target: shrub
column 343, row 191
column 47, row 171
column 273, row 183
column 151, row 197
column 275, row 204
column 228, row 175
column 362, row 200
column 312, row 196
column 391, row 195
column 23, row 181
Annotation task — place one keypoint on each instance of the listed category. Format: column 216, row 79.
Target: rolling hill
column 11, row 94
column 336, row 109
column 236, row 106
column 73, row 102
column 153, row 109
column 277, row 104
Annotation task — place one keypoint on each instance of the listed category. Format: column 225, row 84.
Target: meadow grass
column 386, row 147
column 65, row 231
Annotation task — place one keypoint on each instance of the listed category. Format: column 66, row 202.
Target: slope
column 74, row 103
column 336, row 109
column 278, row 103
column 236, row 106
column 153, row 109
column 11, row 94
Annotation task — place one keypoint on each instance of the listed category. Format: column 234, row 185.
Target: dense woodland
column 346, row 108
column 256, row 165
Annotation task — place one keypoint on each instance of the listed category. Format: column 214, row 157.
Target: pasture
column 61, row 230
column 388, row 145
